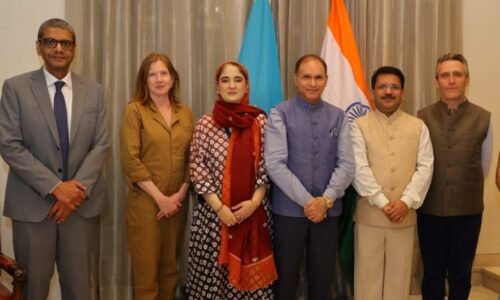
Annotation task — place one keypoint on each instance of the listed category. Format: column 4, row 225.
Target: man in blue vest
column 309, row 158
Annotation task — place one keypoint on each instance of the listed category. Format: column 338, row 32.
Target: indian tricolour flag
column 346, row 89
column 346, row 86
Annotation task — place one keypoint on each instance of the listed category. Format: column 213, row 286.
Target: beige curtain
column 408, row 34
column 114, row 35
column 300, row 27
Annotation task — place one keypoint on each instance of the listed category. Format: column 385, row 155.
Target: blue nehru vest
column 312, row 134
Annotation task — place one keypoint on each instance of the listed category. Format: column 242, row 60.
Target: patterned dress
column 206, row 279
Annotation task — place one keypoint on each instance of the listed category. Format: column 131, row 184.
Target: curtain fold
column 408, row 34
column 113, row 36
column 300, row 27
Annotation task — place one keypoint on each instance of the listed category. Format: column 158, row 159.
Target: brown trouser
column 154, row 247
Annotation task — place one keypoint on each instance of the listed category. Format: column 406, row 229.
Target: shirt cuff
column 379, row 200
column 303, row 199
column 332, row 194
column 52, row 190
column 412, row 200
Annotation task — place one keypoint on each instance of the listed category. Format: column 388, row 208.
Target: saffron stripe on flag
column 346, row 86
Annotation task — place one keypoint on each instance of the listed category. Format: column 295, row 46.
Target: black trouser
column 293, row 236
column 448, row 246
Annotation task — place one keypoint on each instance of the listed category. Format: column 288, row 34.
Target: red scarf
column 245, row 248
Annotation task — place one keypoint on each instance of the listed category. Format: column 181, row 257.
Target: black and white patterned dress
column 206, row 279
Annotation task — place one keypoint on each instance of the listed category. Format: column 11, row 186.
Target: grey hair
column 452, row 56
column 57, row 23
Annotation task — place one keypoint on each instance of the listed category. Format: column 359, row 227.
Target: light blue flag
column 259, row 54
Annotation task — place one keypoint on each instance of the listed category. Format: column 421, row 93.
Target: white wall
column 482, row 50
column 20, row 22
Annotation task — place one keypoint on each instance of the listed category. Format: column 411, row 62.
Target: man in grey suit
column 54, row 137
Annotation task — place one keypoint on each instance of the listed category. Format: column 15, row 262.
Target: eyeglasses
column 383, row 87
column 52, row 43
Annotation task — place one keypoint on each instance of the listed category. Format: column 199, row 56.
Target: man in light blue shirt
column 309, row 158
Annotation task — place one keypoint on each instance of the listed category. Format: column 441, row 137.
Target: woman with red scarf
column 230, row 254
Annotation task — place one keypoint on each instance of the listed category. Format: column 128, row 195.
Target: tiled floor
column 478, row 293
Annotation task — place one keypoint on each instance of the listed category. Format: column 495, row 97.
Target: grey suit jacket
column 29, row 143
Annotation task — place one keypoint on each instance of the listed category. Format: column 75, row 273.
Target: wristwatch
column 328, row 201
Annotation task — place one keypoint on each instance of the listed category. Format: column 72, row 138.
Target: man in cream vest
column 394, row 163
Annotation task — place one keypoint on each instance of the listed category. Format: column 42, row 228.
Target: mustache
column 392, row 97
